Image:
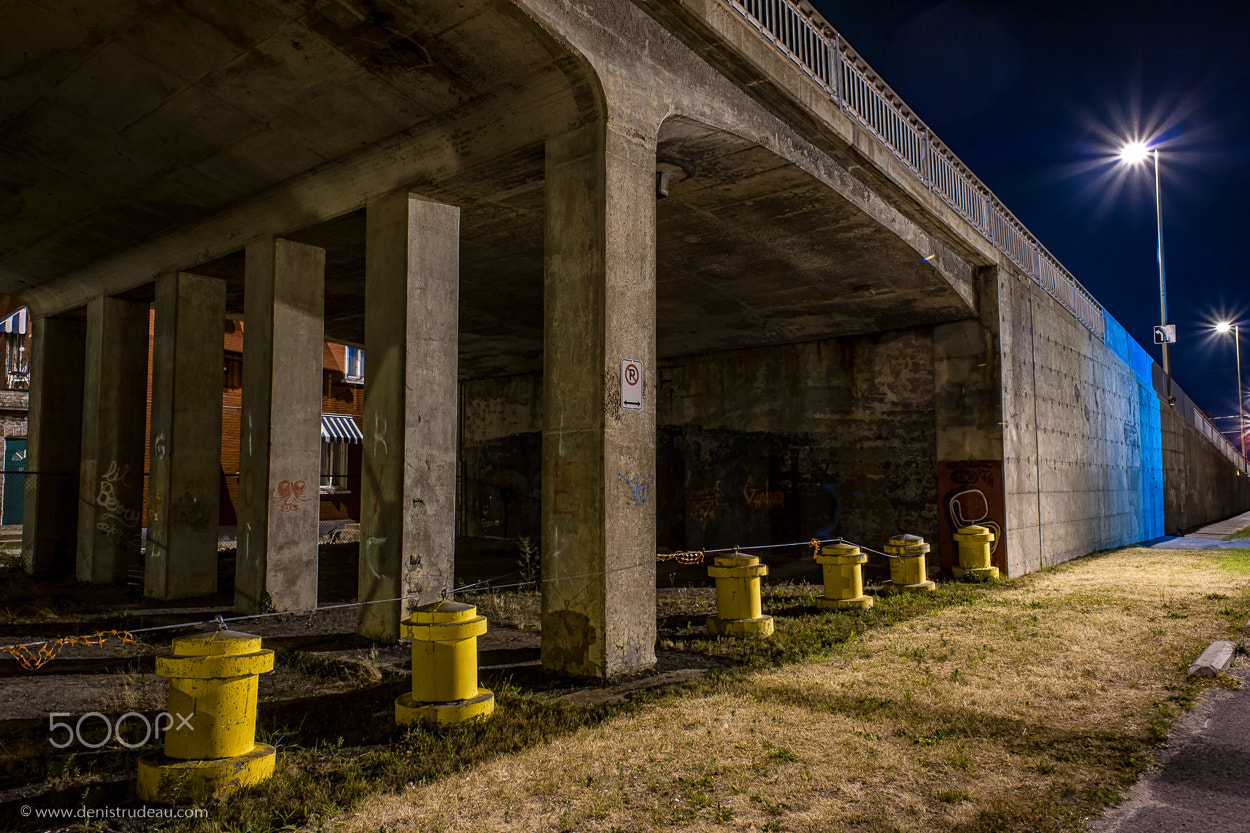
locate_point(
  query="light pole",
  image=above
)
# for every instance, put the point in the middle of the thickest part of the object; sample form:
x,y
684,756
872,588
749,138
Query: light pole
x,y
1134,153
1222,328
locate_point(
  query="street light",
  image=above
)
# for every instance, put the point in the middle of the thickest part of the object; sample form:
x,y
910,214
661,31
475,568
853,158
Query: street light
x,y
1134,153
1222,328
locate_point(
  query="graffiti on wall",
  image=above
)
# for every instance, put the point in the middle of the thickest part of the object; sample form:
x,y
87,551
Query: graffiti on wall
x,y
970,492
768,500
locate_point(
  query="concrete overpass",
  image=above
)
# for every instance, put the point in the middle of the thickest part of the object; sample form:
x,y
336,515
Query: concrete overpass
x,y
840,331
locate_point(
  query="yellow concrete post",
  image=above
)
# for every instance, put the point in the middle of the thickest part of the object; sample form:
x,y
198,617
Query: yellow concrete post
x,y
444,666
844,577
974,544
738,597
211,744
907,567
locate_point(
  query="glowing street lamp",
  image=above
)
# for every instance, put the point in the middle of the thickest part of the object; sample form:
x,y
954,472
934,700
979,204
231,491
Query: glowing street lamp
x,y
1135,153
1222,328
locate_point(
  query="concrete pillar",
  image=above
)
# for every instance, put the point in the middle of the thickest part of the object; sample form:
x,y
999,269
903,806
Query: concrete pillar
x,y
407,509
111,473
279,446
53,446
598,532
968,409
185,459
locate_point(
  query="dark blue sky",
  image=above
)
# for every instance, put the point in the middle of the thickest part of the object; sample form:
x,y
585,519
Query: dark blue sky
x,y
1032,95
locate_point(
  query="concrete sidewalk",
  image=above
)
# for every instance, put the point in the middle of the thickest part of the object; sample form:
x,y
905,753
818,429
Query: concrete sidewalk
x,y
1210,537
1202,782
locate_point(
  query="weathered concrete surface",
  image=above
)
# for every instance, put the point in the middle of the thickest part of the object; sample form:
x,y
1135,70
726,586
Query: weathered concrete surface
x,y
54,446
598,559
407,517
1214,660
110,496
184,482
1199,484
1082,461
824,438
280,451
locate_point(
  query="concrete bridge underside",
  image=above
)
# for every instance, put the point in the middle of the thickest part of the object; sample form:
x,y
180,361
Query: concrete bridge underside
x,y
469,191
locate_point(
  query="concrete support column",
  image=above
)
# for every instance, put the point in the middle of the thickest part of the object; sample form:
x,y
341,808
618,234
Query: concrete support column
x,y
185,460
279,446
968,408
53,446
598,532
115,389
407,507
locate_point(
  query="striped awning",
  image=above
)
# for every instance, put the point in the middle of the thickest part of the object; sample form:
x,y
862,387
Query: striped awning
x,y
340,428
14,322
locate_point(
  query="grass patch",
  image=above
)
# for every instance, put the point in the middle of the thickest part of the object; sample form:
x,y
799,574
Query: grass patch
x,y
1026,704
1244,532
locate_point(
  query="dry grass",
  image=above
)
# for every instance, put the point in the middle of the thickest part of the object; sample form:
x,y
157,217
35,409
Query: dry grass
x,y
1026,707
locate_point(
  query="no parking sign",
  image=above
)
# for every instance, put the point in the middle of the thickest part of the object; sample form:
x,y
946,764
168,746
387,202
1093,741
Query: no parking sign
x,y
631,385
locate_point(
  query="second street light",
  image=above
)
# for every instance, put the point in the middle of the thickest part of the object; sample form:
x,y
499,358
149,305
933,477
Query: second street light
x,y
1222,328
1165,334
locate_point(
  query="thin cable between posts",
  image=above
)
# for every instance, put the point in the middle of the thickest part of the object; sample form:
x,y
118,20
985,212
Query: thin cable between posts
x,y
686,558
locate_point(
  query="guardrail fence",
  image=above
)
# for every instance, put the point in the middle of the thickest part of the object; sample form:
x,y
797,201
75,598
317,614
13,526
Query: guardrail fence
x,y
801,34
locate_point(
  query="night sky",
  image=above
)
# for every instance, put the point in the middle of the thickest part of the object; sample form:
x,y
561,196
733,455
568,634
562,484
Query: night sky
x,y
1034,97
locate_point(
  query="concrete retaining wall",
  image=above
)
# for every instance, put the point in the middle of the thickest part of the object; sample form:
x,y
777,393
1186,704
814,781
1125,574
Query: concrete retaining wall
x,y
820,439
1082,455
1199,485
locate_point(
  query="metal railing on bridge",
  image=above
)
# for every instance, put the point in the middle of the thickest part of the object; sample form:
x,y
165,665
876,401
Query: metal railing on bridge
x,y
807,39
801,34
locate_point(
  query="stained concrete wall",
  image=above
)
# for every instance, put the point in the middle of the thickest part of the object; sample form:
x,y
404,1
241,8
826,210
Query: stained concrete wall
x,y
1199,484
1082,457
826,438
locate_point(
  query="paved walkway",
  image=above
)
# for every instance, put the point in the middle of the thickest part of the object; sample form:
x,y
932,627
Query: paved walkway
x,y
1202,782
1208,538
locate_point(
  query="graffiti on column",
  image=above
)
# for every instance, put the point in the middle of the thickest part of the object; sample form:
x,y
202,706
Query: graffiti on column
x,y
970,492
288,495
117,518
639,489
557,490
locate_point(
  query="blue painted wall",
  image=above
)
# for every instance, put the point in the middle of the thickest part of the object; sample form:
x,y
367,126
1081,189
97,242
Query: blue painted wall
x,y
1151,487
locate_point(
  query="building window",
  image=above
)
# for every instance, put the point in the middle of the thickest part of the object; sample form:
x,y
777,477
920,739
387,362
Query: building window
x,y
334,468
355,371
16,364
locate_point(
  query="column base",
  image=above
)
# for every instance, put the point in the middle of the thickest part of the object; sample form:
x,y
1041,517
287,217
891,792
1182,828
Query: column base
x,y
184,779
759,626
861,602
981,573
922,587
409,712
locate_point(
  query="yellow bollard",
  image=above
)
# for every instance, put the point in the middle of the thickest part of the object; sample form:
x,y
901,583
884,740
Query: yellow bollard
x,y
907,568
974,553
844,577
738,597
444,666
211,744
